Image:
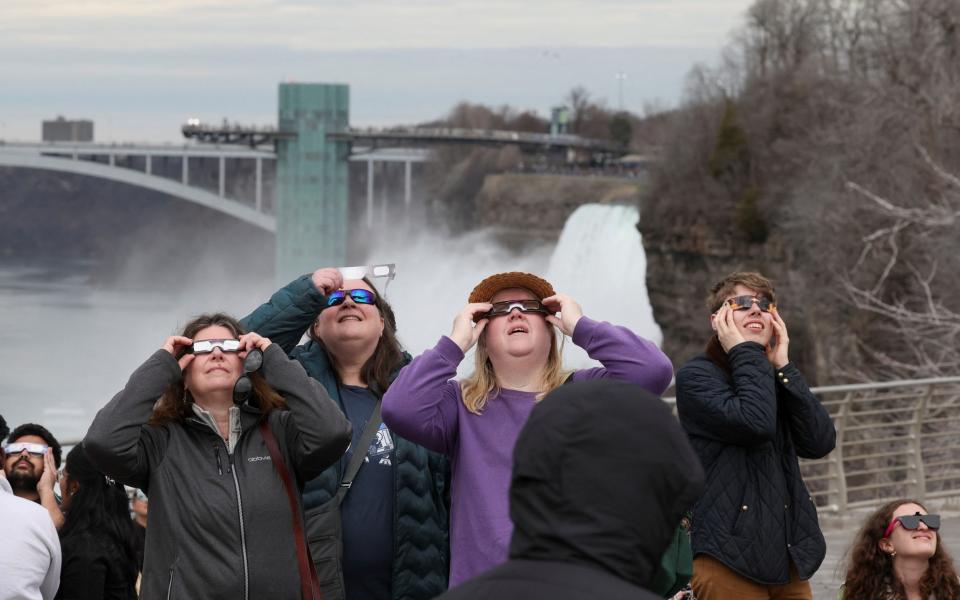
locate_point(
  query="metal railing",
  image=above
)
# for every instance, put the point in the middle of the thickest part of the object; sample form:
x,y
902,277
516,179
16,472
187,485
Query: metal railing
x,y
899,439
894,440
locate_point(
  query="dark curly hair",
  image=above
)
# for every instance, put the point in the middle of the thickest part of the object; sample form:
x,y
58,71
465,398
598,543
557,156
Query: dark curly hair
x,y
174,404
41,432
870,570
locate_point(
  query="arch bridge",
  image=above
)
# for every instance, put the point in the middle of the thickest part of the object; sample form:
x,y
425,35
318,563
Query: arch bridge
x,y
236,181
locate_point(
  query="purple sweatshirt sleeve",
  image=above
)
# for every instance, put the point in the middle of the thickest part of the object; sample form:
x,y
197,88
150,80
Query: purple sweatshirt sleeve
x,y
422,404
623,354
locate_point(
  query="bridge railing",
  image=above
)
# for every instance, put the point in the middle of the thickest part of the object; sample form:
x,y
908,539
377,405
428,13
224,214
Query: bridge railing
x,y
899,439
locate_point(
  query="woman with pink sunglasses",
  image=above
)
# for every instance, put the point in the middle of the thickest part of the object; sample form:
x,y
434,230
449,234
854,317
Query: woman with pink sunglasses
x,y
898,555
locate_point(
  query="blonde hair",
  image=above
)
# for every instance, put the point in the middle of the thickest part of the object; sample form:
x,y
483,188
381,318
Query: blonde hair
x,y
482,384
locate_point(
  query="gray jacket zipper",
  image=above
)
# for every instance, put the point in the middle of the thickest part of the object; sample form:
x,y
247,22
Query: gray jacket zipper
x,y
170,584
243,534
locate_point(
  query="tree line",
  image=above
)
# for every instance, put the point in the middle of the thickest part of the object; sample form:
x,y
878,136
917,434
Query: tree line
x,y
824,149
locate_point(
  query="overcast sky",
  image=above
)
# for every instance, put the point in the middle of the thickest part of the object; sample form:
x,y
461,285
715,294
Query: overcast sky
x,y
140,68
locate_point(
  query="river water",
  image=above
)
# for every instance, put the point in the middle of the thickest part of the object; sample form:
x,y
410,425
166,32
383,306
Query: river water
x,y
69,343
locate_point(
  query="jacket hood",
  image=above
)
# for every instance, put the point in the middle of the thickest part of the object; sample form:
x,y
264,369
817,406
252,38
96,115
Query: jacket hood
x,y
602,474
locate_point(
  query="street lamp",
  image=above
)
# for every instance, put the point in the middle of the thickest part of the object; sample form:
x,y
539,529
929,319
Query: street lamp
x,y
620,77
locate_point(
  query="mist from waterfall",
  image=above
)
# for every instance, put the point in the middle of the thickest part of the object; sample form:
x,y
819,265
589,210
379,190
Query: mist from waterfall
x,y
598,261
70,343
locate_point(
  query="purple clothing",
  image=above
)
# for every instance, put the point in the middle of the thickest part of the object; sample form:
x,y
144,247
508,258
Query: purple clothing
x,y
424,405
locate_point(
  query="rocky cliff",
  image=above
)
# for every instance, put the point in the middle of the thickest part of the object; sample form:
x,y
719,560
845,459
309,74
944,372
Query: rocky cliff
x,y
526,208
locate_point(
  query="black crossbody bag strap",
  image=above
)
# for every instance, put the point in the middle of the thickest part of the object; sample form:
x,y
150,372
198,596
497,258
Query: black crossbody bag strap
x,y
359,453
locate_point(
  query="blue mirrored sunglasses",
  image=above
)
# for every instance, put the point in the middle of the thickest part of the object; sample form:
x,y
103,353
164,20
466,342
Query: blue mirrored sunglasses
x,y
359,296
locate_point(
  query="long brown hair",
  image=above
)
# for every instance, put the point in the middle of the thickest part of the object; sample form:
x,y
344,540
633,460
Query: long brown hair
x,y
482,383
377,372
174,405
870,570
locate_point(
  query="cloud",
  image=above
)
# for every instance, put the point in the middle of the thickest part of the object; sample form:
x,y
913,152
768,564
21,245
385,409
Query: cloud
x,y
138,68
135,26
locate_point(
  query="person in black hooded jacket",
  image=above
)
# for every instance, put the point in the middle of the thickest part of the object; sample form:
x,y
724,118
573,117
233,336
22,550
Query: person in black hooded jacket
x,y
750,414
602,474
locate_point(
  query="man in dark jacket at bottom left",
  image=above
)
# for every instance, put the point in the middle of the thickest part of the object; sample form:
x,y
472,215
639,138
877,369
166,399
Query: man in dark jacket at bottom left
x,y
602,474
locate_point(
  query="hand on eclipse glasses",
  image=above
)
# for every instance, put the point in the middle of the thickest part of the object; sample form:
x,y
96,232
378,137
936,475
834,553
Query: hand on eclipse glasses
x,y
180,348
329,279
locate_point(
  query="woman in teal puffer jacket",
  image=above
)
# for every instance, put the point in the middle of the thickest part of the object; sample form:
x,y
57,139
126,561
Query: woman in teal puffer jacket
x,y
395,515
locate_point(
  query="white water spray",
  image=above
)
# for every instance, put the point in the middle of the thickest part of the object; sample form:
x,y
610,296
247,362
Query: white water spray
x,y
598,260
71,345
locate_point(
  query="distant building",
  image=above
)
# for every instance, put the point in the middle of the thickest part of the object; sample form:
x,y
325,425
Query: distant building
x,y
559,120
63,130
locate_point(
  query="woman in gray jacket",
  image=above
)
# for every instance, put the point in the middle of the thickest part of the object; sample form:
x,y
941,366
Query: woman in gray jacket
x,y
220,521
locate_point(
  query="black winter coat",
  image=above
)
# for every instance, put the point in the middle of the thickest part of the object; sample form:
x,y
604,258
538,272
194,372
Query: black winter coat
x,y
756,515
421,519
95,567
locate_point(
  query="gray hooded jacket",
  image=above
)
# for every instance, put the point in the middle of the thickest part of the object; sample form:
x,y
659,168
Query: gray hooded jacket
x,y
220,524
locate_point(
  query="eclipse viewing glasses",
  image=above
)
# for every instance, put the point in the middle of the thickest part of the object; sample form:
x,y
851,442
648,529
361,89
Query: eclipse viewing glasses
x,y
18,447
387,270
746,303
505,306
207,346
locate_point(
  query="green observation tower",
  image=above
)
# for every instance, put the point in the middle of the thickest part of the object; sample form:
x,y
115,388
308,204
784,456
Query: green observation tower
x,y
312,183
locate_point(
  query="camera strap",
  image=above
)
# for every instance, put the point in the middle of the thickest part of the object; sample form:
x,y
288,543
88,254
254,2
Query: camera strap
x,y
309,582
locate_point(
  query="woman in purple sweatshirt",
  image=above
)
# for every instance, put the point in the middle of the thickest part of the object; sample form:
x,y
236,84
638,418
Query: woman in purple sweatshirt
x,y
511,317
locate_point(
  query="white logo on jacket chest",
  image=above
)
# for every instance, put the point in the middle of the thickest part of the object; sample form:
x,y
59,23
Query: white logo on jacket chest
x,y
258,458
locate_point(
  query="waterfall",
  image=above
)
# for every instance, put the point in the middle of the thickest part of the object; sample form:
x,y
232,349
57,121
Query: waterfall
x,y
599,261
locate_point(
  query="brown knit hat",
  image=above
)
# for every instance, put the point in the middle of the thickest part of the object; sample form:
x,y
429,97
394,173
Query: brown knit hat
x,y
487,288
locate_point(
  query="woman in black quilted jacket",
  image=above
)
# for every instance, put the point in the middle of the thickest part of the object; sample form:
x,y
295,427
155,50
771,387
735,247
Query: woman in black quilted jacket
x,y
749,415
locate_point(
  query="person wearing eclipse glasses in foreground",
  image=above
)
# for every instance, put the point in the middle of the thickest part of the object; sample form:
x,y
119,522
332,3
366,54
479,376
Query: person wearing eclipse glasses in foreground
x,y
198,427
377,520
898,554
749,414
515,321
31,558
31,463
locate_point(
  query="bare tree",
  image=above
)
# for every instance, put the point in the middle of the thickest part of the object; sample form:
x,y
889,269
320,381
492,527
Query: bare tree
x,y
851,113
579,100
